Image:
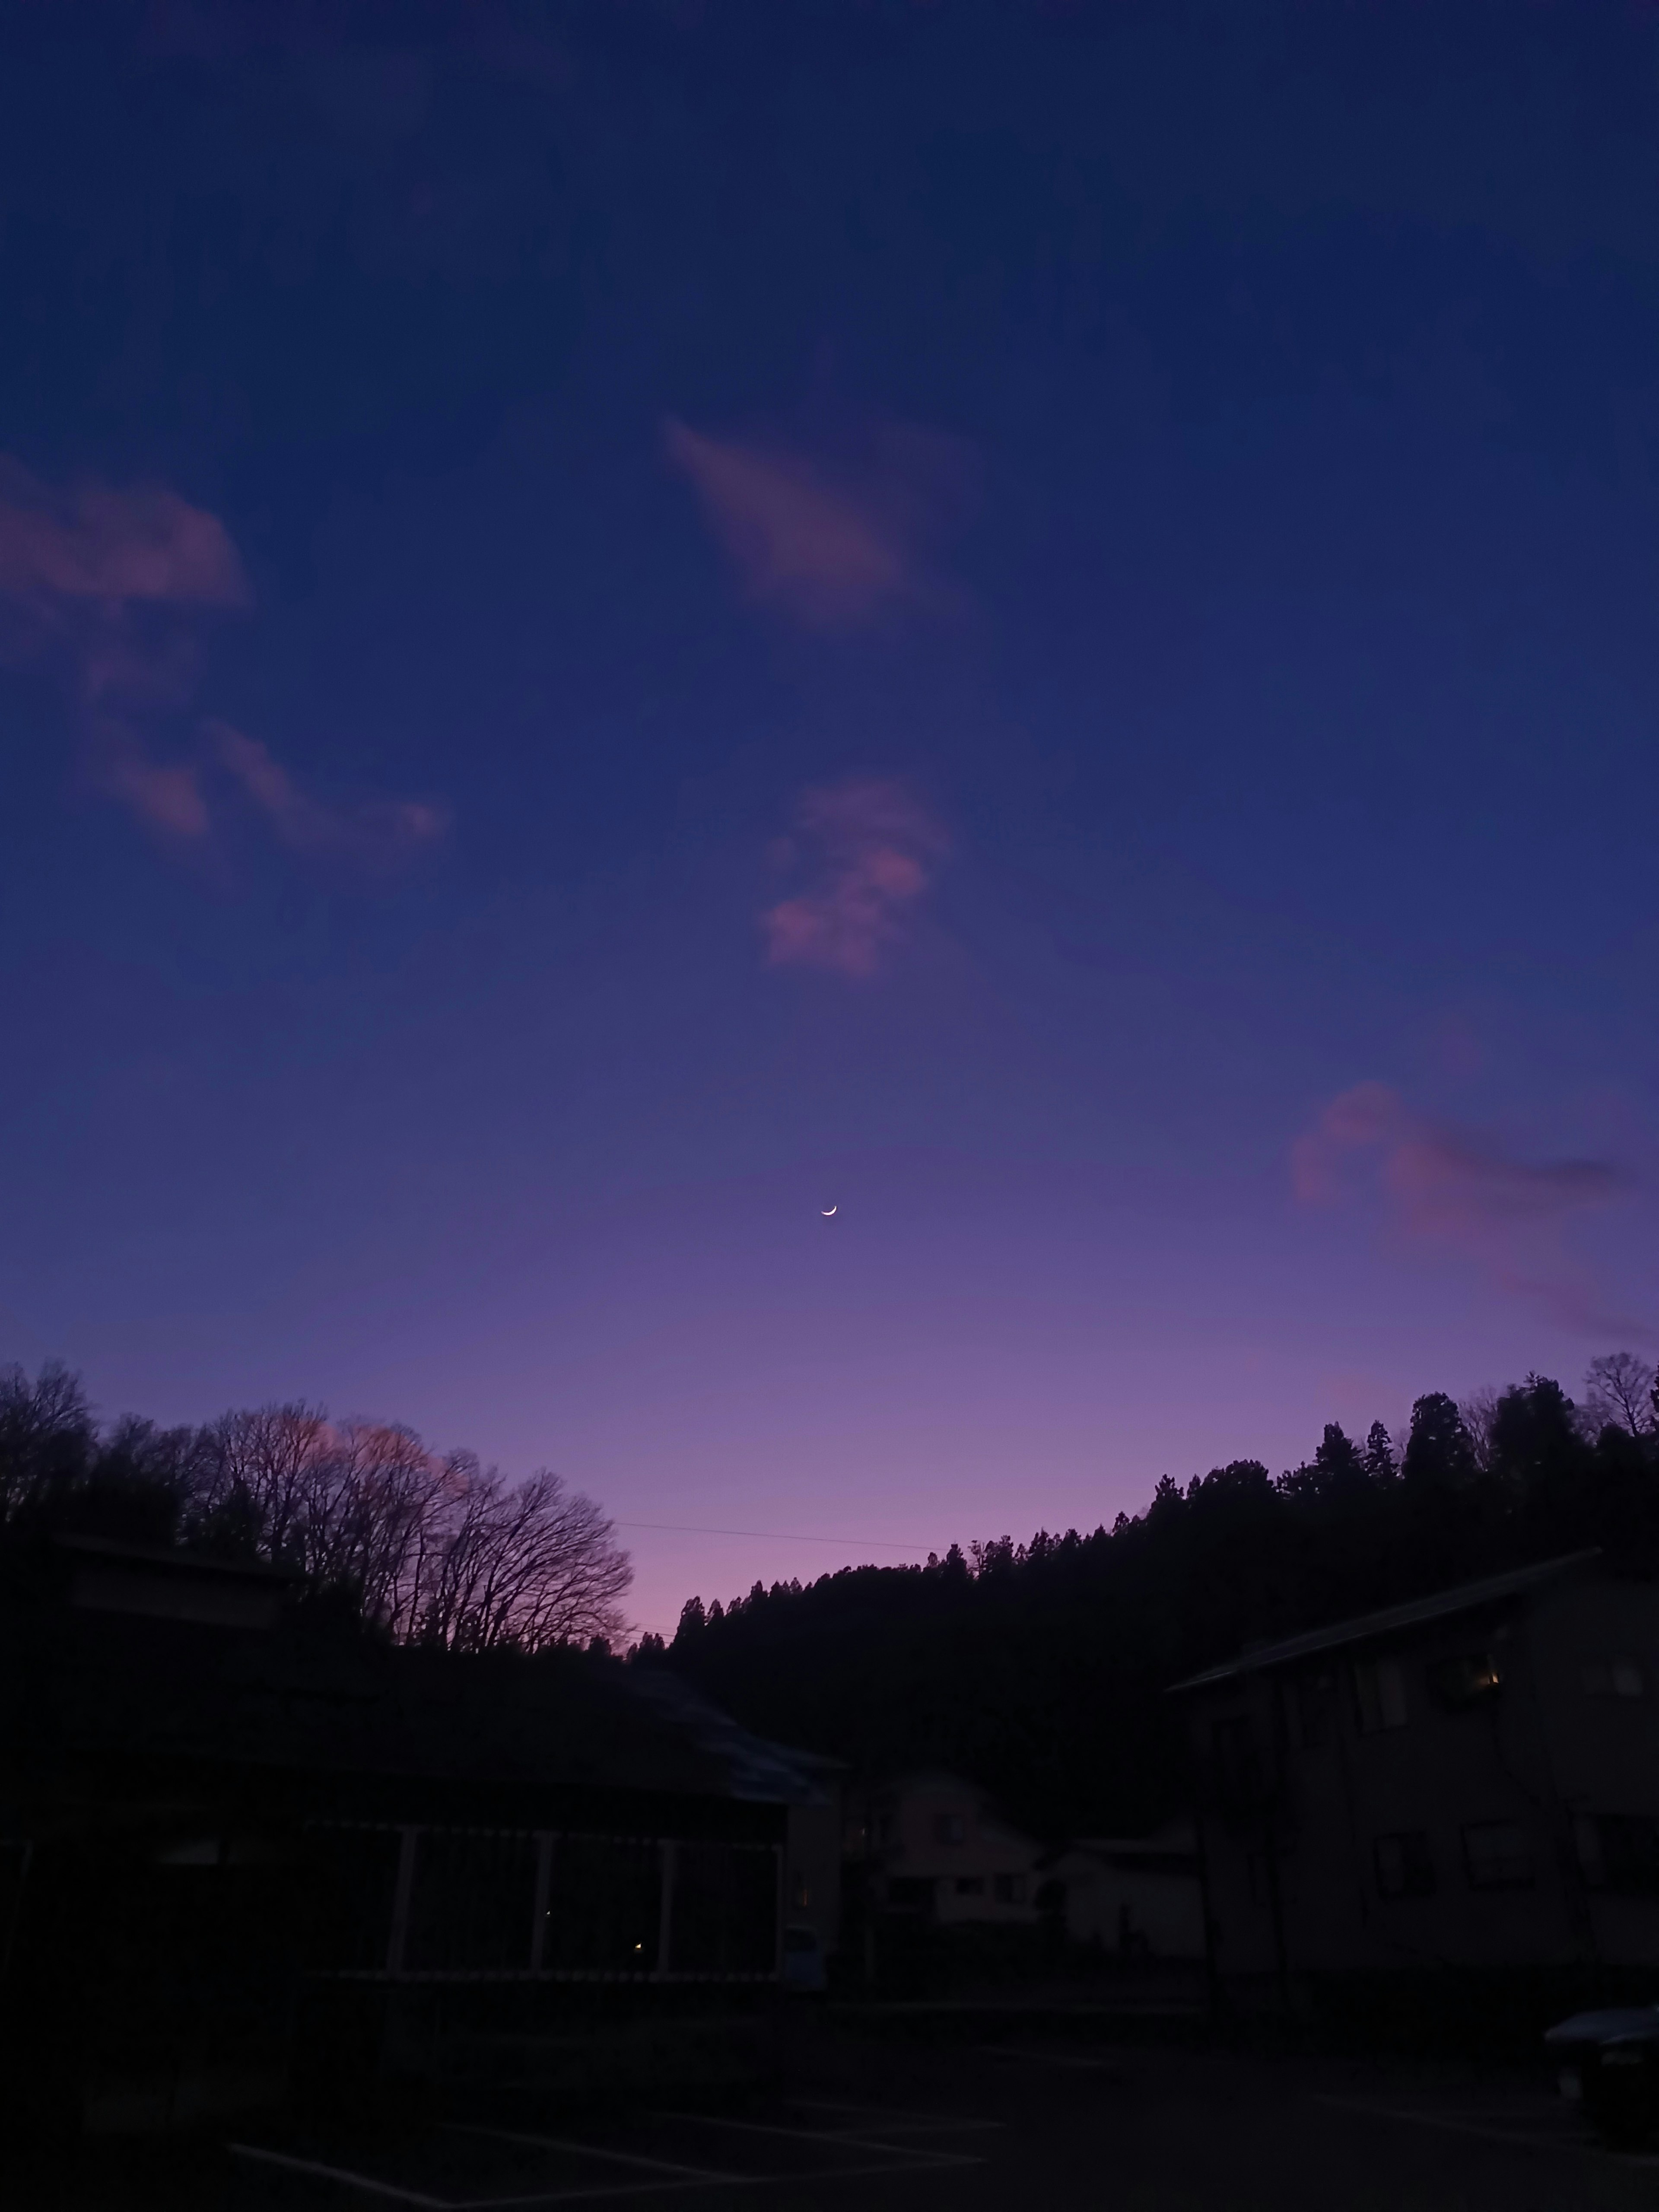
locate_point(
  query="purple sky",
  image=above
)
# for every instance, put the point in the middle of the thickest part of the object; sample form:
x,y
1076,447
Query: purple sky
x,y
621,624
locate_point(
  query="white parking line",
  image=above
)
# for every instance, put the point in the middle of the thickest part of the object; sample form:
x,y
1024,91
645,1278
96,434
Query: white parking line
x,y
591,2150
1077,2064
1451,2124
896,2159
340,2173
915,2158
896,2122
742,2180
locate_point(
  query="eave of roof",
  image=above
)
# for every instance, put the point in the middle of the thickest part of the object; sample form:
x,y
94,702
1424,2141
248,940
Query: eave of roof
x,y
170,1560
1466,1597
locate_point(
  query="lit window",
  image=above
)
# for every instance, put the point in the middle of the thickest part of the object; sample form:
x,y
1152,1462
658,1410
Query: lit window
x,y
1498,1855
1466,1681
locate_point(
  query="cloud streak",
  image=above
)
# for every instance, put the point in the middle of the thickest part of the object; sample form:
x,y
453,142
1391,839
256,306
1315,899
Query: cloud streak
x,y
871,852
117,586
832,551
372,835
1459,1190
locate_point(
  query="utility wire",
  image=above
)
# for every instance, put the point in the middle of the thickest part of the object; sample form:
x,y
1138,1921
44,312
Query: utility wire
x,y
776,1536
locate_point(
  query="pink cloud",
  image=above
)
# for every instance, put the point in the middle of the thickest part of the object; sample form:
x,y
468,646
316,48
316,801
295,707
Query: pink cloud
x,y
834,554
1460,1190
165,796
95,542
117,584
377,833
872,851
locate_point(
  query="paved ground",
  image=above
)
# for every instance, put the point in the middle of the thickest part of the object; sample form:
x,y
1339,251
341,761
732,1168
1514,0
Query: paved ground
x,y
885,2126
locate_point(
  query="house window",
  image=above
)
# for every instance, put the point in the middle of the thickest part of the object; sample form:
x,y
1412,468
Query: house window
x,y
970,1885
1379,1695
1498,1855
1611,1678
949,1828
1465,1681
1008,1889
1405,1866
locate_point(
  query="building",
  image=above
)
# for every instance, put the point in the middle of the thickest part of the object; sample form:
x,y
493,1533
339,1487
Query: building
x,y
1134,1897
932,1845
244,1845
1467,1781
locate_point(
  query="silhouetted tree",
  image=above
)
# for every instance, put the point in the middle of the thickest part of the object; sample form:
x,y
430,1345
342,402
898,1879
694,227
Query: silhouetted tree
x,y
430,1549
1619,1393
1439,1452
1378,1456
1041,1668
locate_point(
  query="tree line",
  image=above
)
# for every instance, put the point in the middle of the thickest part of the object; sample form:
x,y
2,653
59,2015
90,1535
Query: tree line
x,y
1041,1668
427,1547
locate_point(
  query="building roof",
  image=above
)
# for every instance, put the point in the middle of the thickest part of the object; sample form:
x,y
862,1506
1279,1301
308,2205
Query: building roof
x,y
1466,1597
94,1676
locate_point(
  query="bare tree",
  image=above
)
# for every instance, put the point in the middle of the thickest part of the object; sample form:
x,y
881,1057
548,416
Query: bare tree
x,y
47,1436
1480,1411
438,1549
1618,1393
528,1565
265,1475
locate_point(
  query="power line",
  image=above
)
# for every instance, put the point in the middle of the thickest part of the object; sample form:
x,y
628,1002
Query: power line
x,y
777,1536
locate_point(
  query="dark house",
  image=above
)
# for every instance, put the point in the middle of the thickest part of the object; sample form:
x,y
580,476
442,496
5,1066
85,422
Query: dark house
x,y
248,1850
1458,1792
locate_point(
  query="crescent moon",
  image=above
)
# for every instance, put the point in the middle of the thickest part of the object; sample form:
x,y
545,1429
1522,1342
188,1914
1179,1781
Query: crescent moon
x,y
826,1210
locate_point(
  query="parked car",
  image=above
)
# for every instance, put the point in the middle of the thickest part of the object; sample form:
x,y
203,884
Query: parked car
x,y
803,1961
1611,2060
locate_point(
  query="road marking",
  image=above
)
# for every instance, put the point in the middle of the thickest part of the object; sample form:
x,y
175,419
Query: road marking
x,y
1054,2058
1451,2125
829,2135
591,2150
342,2174
608,2188
894,2123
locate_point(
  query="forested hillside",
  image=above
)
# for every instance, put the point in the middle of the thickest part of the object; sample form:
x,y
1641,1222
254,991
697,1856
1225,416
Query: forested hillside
x,y
1040,1669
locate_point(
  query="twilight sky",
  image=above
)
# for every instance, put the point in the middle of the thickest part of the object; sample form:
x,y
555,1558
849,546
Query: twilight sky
x,y
623,623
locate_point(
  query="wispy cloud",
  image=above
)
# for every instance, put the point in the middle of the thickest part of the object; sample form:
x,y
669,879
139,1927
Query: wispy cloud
x,y
167,796
836,549
1460,1190
870,851
371,834
91,542
117,586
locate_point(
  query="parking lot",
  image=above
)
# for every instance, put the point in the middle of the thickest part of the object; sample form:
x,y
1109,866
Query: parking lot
x,y
880,2125
895,2126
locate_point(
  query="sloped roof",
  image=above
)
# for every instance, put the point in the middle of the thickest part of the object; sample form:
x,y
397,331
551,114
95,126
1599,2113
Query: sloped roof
x,y
312,1696
1466,1597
